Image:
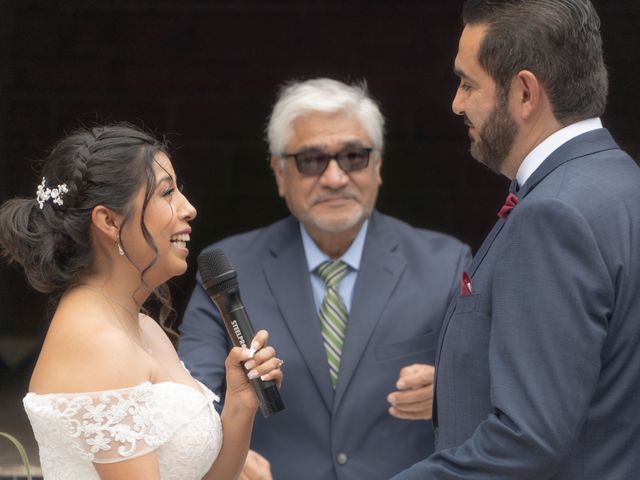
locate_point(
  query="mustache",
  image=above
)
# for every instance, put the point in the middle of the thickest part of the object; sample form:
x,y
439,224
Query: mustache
x,y
467,122
341,195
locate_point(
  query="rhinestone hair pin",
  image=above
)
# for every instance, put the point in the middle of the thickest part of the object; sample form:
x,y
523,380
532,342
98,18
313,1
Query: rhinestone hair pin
x,y
54,194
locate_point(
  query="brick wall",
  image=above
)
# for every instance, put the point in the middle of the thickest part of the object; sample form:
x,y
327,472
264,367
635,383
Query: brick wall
x,y
206,72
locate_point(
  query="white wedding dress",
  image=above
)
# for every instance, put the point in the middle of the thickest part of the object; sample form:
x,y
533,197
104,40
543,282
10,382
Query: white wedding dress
x,y
74,430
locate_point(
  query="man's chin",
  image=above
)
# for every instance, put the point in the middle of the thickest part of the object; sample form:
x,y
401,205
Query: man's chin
x,y
475,151
481,158
333,224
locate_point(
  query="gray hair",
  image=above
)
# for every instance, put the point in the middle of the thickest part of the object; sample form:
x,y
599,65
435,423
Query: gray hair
x,y
297,99
557,40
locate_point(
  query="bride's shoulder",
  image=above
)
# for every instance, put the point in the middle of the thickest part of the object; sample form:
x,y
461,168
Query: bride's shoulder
x,y
156,336
87,353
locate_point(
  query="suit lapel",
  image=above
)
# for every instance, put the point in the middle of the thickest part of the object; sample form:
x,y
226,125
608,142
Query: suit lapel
x,y
475,263
380,270
486,245
288,278
586,144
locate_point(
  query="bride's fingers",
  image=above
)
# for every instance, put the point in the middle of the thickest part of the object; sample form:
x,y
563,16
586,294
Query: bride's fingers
x,y
269,370
260,340
260,358
259,361
237,355
265,368
275,375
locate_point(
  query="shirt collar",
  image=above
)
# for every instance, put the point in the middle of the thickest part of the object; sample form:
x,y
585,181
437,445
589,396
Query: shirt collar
x,y
352,257
538,155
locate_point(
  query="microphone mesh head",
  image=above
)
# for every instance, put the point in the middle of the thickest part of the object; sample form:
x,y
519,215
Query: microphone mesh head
x,y
216,270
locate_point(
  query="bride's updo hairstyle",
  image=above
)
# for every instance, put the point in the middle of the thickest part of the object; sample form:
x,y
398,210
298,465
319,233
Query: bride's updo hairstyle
x,y
49,233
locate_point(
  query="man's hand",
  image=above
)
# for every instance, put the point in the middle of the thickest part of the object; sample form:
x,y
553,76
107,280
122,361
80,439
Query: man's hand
x,y
256,467
414,398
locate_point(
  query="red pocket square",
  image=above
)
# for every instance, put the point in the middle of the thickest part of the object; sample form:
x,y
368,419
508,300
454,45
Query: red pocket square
x,y
465,285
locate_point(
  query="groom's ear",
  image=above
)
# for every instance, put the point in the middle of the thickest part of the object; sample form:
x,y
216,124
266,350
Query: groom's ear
x,y
527,95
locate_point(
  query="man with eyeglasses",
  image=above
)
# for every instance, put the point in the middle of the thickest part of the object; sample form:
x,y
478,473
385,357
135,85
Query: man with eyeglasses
x,y
353,300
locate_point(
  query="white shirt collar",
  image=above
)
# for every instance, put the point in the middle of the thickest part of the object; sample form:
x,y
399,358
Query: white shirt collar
x,y
352,257
538,155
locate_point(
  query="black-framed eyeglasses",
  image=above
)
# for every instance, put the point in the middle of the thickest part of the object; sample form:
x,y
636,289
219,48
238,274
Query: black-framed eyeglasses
x,y
312,163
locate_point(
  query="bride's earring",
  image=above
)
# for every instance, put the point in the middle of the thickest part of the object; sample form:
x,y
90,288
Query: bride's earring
x,y
120,250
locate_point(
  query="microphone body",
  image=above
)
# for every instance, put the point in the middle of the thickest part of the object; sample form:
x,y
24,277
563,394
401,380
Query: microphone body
x,y
220,281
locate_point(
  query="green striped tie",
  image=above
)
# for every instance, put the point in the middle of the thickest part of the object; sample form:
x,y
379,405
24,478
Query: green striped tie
x,y
333,315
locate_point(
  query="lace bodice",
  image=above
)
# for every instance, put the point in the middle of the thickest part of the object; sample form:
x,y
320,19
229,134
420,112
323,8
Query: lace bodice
x,y
74,430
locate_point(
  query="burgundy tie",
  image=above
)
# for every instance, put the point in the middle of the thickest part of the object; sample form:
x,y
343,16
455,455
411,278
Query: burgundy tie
x,y
511,202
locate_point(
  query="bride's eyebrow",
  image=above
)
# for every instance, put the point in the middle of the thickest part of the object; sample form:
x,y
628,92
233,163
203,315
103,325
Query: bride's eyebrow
x,y
165,179
167,176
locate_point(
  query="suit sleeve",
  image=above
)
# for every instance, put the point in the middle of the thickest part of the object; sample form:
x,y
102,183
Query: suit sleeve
x,y
204,343
551,297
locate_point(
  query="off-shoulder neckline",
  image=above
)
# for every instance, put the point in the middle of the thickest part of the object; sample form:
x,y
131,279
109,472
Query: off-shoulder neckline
x,y
139,386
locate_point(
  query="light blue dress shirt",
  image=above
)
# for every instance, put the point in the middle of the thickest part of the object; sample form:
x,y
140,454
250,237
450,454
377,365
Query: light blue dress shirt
x,y
352,257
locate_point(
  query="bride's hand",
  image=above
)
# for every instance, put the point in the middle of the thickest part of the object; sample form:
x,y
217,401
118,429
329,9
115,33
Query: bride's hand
x,y
241,368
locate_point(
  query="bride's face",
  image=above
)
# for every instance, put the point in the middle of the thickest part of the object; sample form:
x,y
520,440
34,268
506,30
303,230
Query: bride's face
x,y
166,221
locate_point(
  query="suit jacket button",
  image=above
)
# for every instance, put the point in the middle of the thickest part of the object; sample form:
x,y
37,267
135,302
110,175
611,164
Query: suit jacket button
x,y
342,458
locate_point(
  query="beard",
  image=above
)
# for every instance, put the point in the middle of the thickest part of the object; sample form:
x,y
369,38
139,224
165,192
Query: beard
x,y
496,138
340,219
331,224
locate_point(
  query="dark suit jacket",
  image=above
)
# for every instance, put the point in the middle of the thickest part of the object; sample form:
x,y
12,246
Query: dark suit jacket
x,y
537,371
406,279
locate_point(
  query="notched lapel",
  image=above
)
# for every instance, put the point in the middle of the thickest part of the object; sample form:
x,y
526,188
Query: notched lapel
x,y
486,246
380,269
588,143
287,276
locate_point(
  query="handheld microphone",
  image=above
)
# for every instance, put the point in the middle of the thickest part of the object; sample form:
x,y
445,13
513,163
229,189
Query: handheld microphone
x,y
220,280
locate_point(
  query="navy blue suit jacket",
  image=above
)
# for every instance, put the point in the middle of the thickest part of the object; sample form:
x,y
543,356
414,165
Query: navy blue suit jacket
x,y
537,370
406,279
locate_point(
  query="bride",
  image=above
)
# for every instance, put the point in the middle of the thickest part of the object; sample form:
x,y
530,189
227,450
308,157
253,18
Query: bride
x,y
109,398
